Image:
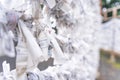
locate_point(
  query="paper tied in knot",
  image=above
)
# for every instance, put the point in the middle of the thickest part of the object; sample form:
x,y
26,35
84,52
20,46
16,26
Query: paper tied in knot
x,y
12,20
3,18
32,76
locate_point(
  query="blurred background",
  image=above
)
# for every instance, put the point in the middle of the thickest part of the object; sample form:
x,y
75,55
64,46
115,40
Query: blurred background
x,y
109,68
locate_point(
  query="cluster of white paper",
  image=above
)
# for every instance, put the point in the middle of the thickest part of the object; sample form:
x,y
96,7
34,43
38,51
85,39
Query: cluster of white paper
x,y
75,48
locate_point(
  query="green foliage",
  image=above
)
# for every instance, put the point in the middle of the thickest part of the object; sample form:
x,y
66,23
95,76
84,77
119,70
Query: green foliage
x,y
114,64
118,12
104,4
105,55
112,3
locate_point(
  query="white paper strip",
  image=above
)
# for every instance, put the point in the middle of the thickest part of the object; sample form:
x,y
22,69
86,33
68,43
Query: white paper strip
x,y
51,3
32,45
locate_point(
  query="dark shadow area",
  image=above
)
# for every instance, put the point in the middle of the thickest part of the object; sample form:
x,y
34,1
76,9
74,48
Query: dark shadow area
x,y
11,61
45,64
